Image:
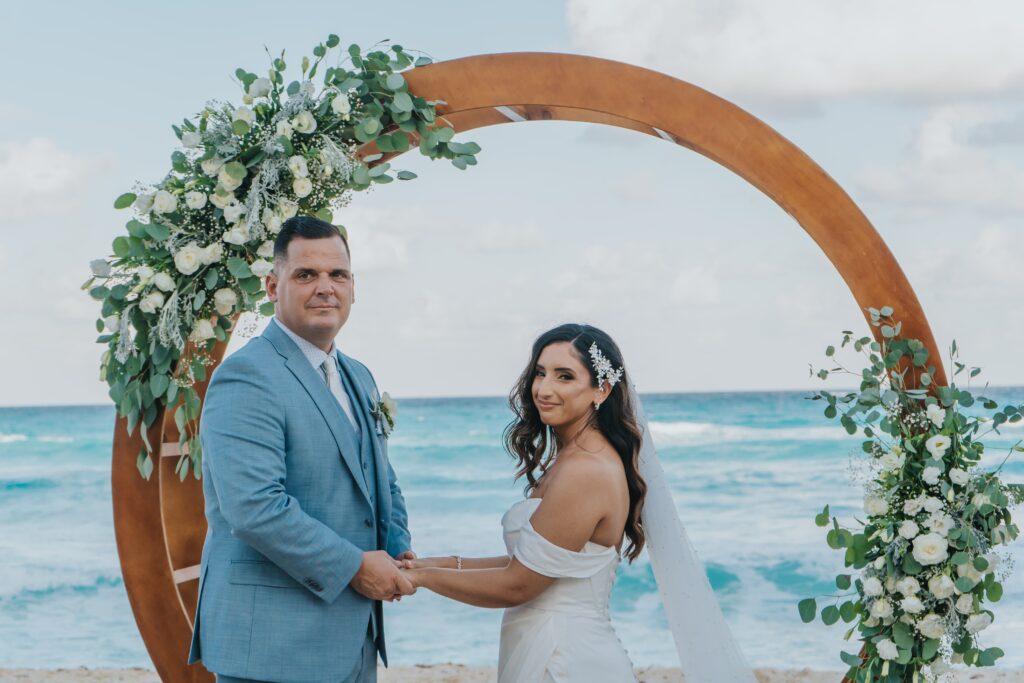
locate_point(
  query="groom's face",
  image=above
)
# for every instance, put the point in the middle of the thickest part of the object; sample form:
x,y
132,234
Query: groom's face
x,y
313,288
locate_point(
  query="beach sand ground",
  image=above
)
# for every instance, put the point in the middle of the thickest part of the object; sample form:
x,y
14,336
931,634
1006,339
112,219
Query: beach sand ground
x,y
457,673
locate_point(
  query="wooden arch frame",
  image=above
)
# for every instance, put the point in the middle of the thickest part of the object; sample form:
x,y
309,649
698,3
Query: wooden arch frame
x,y
159,524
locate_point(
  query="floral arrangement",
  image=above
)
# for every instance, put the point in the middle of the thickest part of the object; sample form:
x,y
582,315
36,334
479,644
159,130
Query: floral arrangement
x,y
202,238
927,557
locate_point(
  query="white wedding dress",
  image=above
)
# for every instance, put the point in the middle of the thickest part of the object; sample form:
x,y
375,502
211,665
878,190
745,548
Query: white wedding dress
x,y
565,634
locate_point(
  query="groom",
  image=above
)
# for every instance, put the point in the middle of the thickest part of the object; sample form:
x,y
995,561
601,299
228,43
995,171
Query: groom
x,y
305,515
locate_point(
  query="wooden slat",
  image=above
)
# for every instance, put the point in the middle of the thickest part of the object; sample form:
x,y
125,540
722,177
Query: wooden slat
x,y
186,574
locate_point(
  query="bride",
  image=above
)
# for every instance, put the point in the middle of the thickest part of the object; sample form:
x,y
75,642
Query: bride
x,y
594,485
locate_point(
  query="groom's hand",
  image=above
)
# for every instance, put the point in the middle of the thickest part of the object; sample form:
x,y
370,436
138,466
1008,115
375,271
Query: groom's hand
x,y
407,555
378,577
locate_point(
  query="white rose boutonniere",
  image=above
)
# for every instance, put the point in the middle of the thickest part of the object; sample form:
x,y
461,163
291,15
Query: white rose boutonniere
x,y
385,410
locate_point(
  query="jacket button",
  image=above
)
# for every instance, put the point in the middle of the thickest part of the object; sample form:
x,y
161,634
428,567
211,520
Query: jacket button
x,y
368,522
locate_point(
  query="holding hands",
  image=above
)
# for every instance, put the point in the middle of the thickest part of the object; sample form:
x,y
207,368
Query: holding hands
x,y
379,577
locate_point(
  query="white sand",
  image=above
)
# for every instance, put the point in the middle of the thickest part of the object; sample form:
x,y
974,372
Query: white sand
x,y
456,673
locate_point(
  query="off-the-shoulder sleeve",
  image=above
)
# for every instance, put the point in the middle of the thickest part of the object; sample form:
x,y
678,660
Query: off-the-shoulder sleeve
x,y
544,557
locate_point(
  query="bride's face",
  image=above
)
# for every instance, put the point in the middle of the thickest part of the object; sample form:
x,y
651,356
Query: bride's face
x,y
562,388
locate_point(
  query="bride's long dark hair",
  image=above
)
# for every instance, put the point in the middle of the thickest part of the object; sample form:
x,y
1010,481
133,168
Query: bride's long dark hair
x,y
532,442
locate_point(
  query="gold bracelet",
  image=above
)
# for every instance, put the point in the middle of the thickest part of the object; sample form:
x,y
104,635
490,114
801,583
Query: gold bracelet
x,y
458,562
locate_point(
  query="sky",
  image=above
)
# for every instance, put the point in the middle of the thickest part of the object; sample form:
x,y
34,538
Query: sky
x,y
916,109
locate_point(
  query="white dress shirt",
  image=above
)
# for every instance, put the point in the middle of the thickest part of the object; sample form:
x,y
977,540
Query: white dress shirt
x,y
316,357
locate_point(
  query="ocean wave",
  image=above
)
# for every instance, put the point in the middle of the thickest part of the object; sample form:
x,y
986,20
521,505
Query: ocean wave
x,y
12,438
26,484
44,593
690,433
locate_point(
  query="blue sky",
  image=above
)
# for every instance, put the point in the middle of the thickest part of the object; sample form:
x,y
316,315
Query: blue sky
x,y
917,111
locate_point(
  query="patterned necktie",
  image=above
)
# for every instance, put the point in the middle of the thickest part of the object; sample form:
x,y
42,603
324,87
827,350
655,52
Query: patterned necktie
x,y
330,372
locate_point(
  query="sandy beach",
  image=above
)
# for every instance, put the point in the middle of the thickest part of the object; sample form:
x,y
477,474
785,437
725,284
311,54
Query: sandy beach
x,y
456,673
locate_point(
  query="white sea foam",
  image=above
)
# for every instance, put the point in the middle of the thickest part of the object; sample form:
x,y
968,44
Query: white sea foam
x,y
692,433
12,438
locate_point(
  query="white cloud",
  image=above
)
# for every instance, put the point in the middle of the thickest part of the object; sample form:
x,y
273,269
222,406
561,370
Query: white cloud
x,y
375,239
501,237
39,177
808,49
946,169
697,285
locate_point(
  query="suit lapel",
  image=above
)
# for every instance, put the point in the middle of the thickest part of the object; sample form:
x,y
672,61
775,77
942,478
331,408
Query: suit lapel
x,y
363,406
324,400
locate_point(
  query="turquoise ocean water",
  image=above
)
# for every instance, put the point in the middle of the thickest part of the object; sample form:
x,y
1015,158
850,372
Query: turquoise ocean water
x,y
749,472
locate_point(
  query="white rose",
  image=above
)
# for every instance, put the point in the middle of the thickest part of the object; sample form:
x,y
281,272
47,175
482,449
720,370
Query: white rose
x,y
284,129
932,504
879,562
188,259
908,586
191,139
195,200
938,445
941,586
259,88
875,506
202,330
325,164
891,461
941,523
145,274
965,604
978,622
164,282
958,476
224,300
261,268
228,181
909,529
151,302
872,587
164,202
931,626
287,208
1001,534
993,562
247,98
212,253
273,223
967,569
238,234
222,200
881,609
980,499
341,106
938,667
302,187
912,506
930,549
931,475
266,250
887,649
243,114
912,605
112,322
233,212
871,622
297,166
936,414
890,585
100,268
303,122
143,203
211,166
389,404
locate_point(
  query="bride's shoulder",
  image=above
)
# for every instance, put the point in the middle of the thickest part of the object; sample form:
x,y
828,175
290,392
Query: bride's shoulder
x,y
586,474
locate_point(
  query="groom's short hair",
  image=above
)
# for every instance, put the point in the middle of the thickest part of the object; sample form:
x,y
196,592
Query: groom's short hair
x,y
307,227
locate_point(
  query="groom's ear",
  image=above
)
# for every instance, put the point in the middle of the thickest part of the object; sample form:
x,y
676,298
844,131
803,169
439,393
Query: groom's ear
x,y
271,286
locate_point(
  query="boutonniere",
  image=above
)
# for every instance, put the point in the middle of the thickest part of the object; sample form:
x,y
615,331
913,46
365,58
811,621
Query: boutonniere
x,y
384,411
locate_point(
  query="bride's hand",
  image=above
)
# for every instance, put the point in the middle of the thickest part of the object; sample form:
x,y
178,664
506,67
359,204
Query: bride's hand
x,y
425,562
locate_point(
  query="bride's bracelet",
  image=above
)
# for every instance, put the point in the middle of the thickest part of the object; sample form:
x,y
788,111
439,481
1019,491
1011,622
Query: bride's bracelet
x,y
458,562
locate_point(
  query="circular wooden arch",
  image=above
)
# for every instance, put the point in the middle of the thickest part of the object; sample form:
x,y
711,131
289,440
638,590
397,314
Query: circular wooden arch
x,y
159,524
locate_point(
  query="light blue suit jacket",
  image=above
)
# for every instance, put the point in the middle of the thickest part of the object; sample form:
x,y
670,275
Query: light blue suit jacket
x,y
290,515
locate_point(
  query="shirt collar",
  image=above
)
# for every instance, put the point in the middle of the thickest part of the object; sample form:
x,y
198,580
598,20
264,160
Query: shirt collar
x,y
313,353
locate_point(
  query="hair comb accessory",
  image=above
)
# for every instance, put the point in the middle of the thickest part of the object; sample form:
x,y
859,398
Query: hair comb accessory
x,y
603,368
